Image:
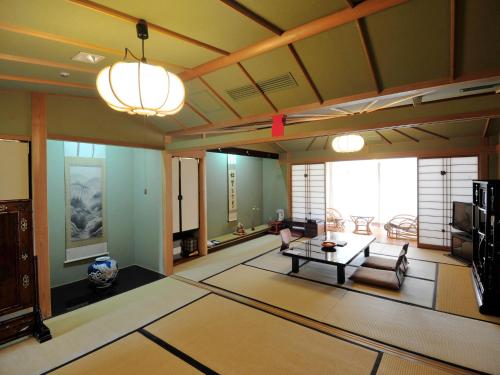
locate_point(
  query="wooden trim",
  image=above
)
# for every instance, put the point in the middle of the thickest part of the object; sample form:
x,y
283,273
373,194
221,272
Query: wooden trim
x,y
160,29
310,144
293,35
431,133
168,235
432,247
371,104
450,152
212,90
205,118
14,137
195,154
40,210
303,68
75,42
452,39
397,101
101,141
47,63
368,55
486,126
383,137
406,135
245,72
4,77
253,16
202,202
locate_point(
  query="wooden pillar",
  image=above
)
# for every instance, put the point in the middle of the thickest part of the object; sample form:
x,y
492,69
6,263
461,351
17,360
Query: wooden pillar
x,y
202,172
168,239
40,211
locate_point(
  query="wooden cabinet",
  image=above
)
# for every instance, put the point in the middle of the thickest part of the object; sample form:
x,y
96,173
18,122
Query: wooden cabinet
x,y
486,245
16,269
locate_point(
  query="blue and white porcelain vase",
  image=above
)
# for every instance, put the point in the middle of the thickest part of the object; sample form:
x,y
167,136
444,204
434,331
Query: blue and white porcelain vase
x,y
103,272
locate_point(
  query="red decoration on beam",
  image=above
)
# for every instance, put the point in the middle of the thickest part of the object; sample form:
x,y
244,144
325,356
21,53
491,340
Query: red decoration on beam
x,y
278,129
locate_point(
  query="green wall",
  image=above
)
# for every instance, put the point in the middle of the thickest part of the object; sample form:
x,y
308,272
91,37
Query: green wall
x,y
133,219
259,182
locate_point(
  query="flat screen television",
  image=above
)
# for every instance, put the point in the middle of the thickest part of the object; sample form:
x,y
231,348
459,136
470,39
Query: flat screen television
x,y
462,216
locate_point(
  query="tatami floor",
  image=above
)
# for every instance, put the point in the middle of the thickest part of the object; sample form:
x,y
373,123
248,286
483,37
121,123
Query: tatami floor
x,y
239,311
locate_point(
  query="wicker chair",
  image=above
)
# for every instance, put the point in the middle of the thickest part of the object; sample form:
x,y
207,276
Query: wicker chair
x,y
402,226
334,220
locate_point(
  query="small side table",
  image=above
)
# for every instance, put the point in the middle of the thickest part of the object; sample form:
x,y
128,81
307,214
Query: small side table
x,y
275,227
362,224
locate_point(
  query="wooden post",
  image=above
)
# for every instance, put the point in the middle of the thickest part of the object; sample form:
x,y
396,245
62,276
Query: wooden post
x,y
40,211
203,237
168,239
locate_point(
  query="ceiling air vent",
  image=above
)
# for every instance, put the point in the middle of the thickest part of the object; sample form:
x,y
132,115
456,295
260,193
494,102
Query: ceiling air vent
x,y
477,88
281,82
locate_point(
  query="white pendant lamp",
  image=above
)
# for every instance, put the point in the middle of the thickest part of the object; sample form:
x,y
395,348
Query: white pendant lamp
x,y
348,143
141,88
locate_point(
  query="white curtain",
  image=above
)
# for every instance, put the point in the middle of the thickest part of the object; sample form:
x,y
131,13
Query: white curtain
x,y
380,188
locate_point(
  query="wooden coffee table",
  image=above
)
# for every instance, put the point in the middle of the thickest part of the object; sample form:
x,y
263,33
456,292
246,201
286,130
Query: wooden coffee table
x,y
311,251
362,224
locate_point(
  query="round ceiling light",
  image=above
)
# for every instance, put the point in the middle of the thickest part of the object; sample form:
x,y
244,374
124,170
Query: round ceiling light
x,y
348,143
141,88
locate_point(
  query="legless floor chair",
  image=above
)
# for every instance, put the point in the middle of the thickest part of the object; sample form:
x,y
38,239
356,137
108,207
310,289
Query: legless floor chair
x,y
389,264
383,278
286,238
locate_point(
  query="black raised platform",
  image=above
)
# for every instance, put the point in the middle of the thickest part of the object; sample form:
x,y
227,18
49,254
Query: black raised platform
x,y
81,293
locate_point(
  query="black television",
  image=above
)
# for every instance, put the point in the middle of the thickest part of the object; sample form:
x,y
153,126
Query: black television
x,y
462,216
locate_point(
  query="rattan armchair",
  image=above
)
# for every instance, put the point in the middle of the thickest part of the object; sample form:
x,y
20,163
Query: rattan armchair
x,y
334,220
402,226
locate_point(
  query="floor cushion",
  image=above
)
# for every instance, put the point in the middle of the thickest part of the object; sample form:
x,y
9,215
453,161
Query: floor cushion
x,y
373,276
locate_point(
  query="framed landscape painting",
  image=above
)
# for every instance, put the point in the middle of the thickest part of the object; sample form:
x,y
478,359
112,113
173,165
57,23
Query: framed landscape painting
x,y
85,208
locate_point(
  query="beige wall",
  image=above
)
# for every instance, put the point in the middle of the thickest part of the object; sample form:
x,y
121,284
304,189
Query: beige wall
x,y
14,170
15,114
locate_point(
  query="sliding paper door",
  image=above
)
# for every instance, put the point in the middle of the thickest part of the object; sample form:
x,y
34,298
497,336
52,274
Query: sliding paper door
x,y
308,191
441,181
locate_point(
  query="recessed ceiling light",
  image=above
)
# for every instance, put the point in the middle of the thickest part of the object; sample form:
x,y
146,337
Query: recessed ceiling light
x,y
64,74
88,58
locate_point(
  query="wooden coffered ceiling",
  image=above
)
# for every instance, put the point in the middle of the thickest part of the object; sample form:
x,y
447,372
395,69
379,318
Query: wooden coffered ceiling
x,y
243,61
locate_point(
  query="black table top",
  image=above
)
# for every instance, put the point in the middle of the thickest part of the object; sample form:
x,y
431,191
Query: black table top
x,y
311,249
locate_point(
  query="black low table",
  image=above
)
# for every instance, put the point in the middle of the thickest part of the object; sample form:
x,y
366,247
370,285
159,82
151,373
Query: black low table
x,y
341,257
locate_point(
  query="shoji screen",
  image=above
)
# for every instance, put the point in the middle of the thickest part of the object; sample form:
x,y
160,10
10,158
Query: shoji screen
x,y
440,182
184,184
308,191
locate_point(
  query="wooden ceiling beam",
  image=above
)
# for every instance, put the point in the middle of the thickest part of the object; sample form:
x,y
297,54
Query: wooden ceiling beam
x,y
397,101
430,85
406,135
281,147
46,63
368,55
431,133
76,43
160,29
486,126
205,118
310,144
5,77
383,137
293,35
212,90
452,39
253,16
245,72
302,67
325,146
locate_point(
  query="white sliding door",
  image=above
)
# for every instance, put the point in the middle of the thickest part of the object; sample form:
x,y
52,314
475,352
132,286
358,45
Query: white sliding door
x,y
185,199
308,191
441,181
176,223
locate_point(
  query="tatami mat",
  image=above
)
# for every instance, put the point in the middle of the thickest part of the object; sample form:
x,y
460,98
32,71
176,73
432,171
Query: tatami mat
x,y
392,365
420,330
87,328
201,268
232,338
420,292
133,354
416,291
455,293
